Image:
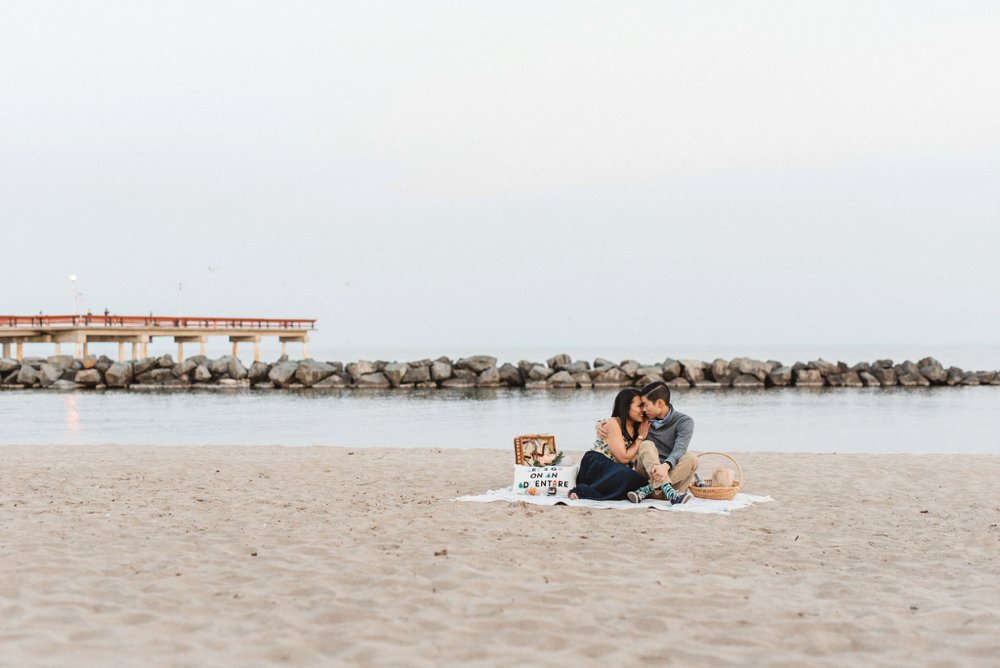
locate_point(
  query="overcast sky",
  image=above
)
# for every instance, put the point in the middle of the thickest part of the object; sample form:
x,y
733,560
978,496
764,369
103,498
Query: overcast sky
x,y
510,173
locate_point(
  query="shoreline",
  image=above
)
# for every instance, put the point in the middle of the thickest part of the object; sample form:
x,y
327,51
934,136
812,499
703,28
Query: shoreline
x,y
167,555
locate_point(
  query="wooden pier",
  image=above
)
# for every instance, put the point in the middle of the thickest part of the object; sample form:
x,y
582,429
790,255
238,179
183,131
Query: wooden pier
x,y
140,330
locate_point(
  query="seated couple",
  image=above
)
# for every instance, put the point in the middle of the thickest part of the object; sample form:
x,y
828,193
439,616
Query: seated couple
x,y
641,451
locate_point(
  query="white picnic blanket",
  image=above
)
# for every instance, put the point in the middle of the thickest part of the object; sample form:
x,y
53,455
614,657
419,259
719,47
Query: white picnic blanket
x,y
695,505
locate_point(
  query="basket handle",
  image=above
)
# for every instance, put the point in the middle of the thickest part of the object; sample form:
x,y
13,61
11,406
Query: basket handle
x,y
730,458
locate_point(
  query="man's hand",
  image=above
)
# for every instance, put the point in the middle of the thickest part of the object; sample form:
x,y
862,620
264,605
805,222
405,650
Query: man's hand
x,y
602,430
660,473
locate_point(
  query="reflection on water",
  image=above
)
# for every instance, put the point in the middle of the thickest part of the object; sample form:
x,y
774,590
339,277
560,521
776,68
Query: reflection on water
x,y
72,416
929,420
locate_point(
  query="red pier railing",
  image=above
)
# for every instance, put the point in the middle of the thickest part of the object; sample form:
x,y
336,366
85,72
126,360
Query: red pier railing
x,y
182,322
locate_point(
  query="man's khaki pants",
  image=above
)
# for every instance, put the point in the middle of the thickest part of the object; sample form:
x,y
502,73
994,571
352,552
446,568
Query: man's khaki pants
x,y
681,476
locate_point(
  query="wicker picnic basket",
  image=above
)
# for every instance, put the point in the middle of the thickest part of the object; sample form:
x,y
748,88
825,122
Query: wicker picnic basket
x,y
719,493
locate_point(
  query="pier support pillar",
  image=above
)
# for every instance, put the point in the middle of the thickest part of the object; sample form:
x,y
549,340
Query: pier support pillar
x,y
20,350
284,348
236,352
135,347
79,350
305,349
85,353
180,352
250,338
121,351
6,349
58,348
144,348
201,347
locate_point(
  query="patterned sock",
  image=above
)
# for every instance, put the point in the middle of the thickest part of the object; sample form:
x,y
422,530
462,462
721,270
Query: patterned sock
x,y
645,490
668,490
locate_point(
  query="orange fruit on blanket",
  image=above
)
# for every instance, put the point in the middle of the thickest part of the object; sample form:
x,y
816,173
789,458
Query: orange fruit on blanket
x,y
532,491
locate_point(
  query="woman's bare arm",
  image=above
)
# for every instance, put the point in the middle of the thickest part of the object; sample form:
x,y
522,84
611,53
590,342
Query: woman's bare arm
x,y
616,443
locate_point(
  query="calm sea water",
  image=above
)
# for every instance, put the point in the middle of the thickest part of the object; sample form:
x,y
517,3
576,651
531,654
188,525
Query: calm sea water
x,y
931,420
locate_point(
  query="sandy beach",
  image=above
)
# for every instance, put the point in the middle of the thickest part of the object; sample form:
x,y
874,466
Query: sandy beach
x,y
179,556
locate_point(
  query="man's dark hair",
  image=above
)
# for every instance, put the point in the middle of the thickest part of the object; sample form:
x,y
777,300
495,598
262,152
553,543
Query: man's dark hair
x,y
656,391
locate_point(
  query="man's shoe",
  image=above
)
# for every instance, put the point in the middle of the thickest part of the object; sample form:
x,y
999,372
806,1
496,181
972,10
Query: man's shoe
x,y
679,498
638,495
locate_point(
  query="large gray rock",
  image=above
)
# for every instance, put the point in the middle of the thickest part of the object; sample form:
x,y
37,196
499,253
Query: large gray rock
x,y
418,363
489,378
219,367
613,377
907,379
835,380
464,374
103,363
27,375
745,380
10,378
236,370
48,374
647,378
92,377
511,375
8,364
583,379
868,379
282,374
310,372
907,368
861,366
201,374
671,369
988,377
164,362
679,383
882,364
752,367
334,381
360,368
559,362
808,378
144,365
119,374
970,379
418,374
601,363
886,375
934,372
780,377
825,368
395,372
852,379
34,361
62,362
693,370
721,372
539,372
954,376
186,367
373,380
477,363
257,373
629,367
440,371
580,366
562,379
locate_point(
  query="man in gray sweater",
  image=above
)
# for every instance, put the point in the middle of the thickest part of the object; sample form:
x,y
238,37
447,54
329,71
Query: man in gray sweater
x,y
667,442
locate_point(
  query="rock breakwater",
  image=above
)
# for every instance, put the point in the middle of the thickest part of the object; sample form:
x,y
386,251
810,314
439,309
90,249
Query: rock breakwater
x,y
64,372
